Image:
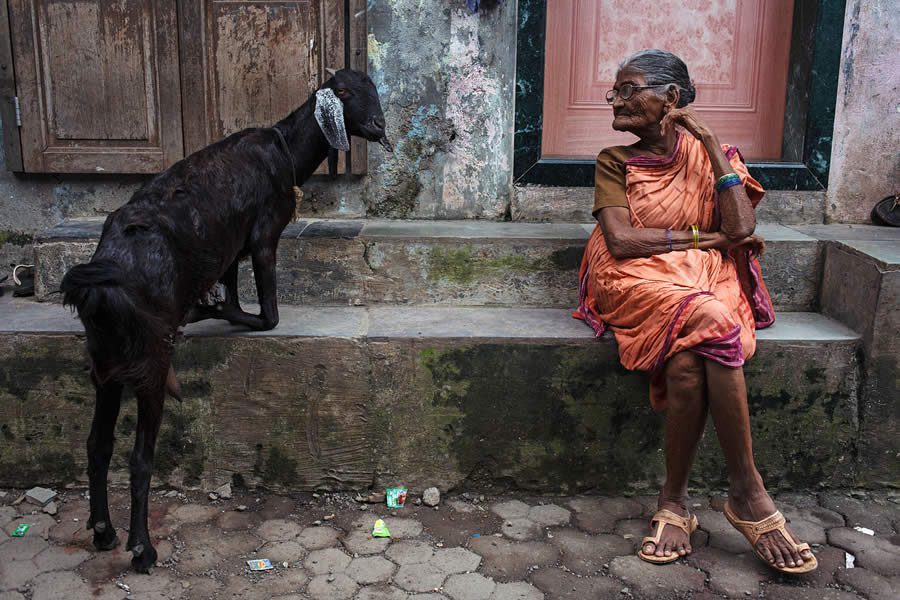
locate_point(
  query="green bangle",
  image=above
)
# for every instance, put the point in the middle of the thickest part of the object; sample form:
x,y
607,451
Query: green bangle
x,y
726,181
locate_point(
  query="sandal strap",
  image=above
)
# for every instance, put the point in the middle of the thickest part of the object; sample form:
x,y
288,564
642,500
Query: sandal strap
x,y
774,522
668,517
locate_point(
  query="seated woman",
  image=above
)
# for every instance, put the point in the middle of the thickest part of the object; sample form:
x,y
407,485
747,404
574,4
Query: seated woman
x,y
671,268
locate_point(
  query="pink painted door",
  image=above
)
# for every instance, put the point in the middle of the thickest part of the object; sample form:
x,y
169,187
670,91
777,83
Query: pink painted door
x,y
736,52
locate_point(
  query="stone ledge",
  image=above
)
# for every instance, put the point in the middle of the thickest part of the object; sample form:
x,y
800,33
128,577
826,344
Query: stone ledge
x,y
351,397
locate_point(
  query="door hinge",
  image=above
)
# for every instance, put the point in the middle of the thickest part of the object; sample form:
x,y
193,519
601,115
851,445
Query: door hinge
x,y
18,112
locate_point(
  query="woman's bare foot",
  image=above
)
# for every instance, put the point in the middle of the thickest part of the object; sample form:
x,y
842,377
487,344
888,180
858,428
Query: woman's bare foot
x,y
772,545
673,539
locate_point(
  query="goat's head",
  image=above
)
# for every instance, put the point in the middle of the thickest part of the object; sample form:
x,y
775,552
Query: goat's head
x,y
348,104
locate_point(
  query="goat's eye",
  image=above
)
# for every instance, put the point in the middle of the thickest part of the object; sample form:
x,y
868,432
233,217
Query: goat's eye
x,y
341,92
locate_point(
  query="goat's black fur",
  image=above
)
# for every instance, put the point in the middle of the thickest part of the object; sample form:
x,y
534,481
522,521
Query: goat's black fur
x,y
180,233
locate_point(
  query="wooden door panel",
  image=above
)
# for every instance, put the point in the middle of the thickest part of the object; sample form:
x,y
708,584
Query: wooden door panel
x,y
736,51
262,59
98,84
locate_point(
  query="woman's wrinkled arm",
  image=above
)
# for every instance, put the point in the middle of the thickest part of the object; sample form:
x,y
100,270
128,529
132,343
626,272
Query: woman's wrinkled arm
x,y
625,241
738,216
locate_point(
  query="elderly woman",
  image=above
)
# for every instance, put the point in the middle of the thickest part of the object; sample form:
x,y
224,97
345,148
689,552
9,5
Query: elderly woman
x,y
671,268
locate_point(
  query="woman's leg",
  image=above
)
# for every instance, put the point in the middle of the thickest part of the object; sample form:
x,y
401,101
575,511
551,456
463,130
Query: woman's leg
x,y
686,409
747,495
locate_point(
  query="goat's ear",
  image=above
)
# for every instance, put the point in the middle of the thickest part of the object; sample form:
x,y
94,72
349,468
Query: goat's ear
x,y
330,117
330,71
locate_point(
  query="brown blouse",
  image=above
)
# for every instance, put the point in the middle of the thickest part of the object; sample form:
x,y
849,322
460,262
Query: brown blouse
x,y
609,179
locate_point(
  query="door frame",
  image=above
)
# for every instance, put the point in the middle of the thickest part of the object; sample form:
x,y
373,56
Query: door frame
x,y
815,56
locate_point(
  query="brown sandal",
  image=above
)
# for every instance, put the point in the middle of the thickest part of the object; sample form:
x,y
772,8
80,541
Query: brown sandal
x,y
753,530
662,518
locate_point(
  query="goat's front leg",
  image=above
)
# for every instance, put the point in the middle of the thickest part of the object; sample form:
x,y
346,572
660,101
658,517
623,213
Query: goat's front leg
x,y
222,310
150,406
99,451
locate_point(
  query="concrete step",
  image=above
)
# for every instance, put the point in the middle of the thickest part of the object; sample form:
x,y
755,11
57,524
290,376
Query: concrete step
x,y
551,204
472,263
351,397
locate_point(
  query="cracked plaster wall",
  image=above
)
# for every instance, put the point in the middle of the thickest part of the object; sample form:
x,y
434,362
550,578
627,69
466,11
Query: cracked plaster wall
x,y
865,162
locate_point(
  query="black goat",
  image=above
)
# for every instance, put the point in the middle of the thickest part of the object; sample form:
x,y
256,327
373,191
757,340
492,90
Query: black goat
x,y
179,234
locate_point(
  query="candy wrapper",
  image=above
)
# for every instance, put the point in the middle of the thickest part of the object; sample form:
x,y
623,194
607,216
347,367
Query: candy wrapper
x,y
396,498
261,564
380,529
20,530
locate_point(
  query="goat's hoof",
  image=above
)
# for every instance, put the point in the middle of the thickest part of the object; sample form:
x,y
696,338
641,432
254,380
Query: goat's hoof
x,y
106,541
143,560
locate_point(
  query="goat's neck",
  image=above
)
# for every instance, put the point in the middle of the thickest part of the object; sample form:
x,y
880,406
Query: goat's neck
x,y
305,140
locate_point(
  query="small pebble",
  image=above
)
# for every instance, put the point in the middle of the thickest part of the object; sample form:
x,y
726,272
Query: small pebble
x,y
213,496
241,508
317,523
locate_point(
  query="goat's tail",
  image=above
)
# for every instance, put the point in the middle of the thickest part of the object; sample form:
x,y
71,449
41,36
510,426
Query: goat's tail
x,y
126,342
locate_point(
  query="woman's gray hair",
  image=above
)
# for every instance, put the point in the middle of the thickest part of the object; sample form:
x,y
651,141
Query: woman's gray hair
x,y
660,68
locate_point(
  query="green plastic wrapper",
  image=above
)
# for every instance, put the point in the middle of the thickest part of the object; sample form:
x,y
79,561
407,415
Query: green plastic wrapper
x,y
396,498
380,529
20,530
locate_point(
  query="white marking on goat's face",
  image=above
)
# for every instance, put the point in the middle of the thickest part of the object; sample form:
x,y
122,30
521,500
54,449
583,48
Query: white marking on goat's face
x,y
330,117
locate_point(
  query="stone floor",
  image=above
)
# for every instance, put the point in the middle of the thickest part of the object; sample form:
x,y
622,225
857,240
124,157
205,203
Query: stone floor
x,y
470,547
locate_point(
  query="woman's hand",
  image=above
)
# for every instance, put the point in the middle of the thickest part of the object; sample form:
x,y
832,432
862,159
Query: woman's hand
x,y
754,243
689,120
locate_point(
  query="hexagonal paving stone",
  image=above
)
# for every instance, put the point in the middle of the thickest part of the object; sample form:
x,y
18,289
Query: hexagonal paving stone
x,y
729,574
233,520
469,586
455,560
197,559
599,515
281,552
329,560
362,542
520,529
674,580
65,585
56,558
428,597
511,509
560,585
380,592
518,590
22,548
506,560
549,515
410,552
238,588
793,592
278,530
872,552
873,585
371,569
163,584
200,588
419,578
585,554
15,574
191,514
331,587
11,596
285,581
317,538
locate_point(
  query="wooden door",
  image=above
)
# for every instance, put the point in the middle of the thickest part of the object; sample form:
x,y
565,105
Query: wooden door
x,y
736,52
249,63
98,84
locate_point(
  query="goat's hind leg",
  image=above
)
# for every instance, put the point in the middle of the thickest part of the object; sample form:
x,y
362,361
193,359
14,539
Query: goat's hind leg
x,y
99,450
150,406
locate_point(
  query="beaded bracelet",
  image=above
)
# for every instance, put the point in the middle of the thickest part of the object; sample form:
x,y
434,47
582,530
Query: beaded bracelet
x,y
726,181
668,235
696,232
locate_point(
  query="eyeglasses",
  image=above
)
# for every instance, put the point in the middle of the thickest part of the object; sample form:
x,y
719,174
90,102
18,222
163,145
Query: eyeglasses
x,y
626,90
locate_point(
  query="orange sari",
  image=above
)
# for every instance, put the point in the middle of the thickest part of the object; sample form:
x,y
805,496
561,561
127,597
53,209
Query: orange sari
x,y
706,301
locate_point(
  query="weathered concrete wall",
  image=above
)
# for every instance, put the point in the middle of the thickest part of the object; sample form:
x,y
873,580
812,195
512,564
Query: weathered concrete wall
x,y
349,412
446,79
865,163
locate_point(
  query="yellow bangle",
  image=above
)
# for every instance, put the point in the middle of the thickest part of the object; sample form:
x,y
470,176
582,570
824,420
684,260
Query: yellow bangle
x,y
696,232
